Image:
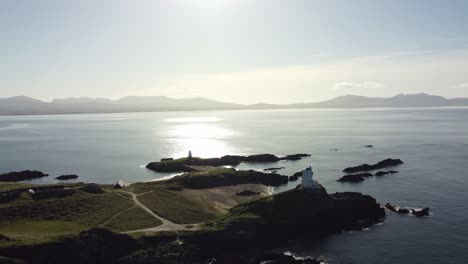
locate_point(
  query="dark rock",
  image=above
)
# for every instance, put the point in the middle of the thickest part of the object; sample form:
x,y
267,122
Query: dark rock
x,y
293,178
390,207
354,177
21,176
92,188
380,165
383,173
274,169
403,211
420,213
47,194
295,156
369,146
247,193
67,177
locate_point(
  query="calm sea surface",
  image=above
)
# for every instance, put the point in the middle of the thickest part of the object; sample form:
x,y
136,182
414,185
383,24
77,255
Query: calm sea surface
x,y
433,143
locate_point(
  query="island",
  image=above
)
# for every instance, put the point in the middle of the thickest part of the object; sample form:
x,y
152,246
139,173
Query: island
x,y
21,176
210,212
355,178
380,165
187,164
67,177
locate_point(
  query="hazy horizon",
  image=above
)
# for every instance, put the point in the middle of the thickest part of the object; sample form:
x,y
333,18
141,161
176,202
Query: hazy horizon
x,y
233,51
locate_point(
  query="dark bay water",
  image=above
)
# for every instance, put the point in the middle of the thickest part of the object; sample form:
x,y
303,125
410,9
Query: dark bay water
x,y
433,143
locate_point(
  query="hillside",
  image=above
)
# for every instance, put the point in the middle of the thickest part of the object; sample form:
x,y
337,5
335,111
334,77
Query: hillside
x,y
22,105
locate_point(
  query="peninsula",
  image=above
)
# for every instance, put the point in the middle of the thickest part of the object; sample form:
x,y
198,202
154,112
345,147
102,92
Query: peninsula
x,y
210,212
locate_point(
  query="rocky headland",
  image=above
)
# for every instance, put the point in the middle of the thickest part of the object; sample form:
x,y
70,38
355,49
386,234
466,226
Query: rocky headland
x,y
215,214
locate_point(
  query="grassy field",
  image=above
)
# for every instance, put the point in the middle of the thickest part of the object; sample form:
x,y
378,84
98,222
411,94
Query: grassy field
x,y
132,219
29,221
177,208
38,231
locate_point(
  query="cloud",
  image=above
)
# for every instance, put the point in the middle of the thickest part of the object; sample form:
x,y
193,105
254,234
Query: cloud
x,y
352,85
462,85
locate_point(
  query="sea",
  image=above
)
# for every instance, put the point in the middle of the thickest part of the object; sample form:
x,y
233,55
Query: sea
x,y
433,143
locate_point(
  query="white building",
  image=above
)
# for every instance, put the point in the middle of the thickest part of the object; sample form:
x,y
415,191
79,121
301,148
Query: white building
x,y
308,179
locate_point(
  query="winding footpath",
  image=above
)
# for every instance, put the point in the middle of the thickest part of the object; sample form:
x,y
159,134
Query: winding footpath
x,y
166,225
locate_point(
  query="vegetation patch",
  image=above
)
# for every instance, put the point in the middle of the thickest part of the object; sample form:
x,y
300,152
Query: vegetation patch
x,y
132,219
177,208
29,232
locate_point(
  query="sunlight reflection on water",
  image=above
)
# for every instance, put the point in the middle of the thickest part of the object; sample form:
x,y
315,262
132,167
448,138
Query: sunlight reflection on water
x,y
205,136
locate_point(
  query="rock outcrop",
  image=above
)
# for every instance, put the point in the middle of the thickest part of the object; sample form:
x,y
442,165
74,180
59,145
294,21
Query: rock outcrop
x,y
354,177
380,165
22,176
67,177
404,210
420,212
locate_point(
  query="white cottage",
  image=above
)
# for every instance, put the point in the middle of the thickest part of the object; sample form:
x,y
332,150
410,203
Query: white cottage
x,y
308,179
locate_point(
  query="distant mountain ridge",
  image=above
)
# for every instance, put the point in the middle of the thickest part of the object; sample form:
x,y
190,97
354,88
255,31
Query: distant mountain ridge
x,y
22,105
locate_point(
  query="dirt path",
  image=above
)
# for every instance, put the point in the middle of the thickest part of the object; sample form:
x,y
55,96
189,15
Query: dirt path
x,y
166,224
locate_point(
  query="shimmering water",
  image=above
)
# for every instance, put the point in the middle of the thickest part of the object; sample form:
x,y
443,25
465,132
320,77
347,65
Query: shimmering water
x,y
432,142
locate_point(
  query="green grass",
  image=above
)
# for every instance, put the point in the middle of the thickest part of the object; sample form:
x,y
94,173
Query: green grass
x,y
132,219
30,221
83,208
175,207
38,231
8,186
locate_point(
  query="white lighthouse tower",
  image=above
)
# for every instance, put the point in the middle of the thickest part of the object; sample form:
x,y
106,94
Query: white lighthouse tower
x,y
308,179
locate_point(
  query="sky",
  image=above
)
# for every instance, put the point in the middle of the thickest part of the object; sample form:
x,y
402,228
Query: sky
x,y
243,51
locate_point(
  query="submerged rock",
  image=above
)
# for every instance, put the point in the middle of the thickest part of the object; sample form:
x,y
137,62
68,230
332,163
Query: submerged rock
x,y
22,176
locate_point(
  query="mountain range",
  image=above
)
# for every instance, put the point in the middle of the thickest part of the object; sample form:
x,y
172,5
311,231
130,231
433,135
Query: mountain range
x,y
22,105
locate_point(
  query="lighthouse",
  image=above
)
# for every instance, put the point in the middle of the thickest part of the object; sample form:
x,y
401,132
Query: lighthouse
x,y
308,179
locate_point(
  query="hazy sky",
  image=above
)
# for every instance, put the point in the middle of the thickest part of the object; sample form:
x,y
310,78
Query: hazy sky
x,y
243,51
